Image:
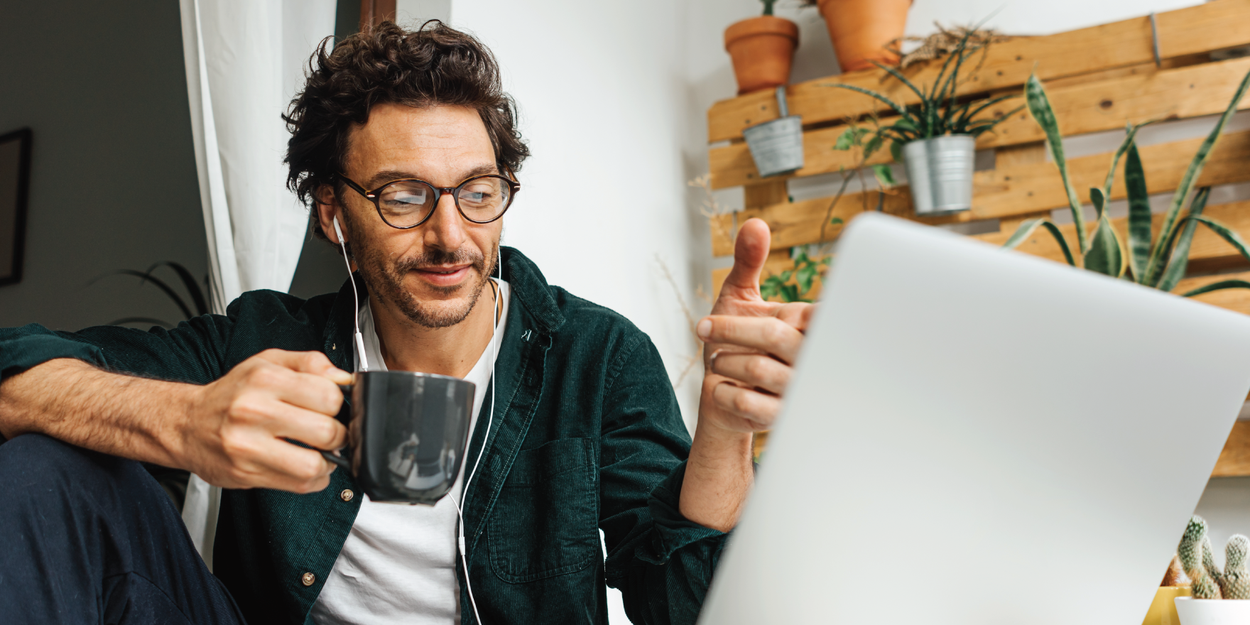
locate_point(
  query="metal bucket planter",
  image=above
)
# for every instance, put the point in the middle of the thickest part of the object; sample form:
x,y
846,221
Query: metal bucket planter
x,y
939,171
777,145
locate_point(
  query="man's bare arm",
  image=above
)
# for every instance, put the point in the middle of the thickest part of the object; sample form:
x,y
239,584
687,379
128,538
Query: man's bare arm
x,y
232,432
77,403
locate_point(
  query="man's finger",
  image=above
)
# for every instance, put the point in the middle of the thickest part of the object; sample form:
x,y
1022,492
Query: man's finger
x,y
315,363
753,371
750,252
311,428
797,314
764,334
311,392
756,407
289,467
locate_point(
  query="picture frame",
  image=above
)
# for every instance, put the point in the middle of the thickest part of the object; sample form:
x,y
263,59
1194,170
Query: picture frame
x,y
15,150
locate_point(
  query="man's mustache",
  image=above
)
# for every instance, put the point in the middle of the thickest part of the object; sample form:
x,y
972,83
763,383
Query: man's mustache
x,y
435,258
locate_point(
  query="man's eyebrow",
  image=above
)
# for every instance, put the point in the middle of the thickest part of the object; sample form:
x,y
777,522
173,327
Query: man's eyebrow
x,y
389,175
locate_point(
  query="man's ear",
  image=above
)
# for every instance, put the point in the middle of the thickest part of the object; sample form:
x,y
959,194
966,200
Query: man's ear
x,y
327,207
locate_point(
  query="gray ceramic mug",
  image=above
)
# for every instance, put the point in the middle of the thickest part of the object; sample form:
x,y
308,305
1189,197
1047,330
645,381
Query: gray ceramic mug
x,y
409,432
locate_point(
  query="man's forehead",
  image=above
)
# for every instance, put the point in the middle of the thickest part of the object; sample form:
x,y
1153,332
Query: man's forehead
x,y
420,140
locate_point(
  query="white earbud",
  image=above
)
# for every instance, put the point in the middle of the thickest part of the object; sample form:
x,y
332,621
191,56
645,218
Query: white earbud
x,y
360,340
337,230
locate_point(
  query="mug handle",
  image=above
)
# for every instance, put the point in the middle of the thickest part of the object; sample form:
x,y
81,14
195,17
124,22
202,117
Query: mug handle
x,y
336,459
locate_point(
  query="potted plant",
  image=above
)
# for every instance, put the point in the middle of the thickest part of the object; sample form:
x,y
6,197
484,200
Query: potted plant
x,y
936,138
860,30
1154,262
1219,596
762,50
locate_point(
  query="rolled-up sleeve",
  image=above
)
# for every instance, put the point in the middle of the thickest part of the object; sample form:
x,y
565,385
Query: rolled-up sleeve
x,y
191,352
661,561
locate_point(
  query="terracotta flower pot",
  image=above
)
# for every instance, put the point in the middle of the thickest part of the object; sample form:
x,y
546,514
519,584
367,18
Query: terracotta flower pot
x,y
860,30
762,49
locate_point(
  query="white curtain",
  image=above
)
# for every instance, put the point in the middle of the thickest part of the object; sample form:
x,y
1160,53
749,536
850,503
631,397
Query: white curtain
x,y
245,61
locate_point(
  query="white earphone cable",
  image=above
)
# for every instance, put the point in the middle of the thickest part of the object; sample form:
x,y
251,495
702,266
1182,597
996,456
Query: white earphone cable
x,y
489,420
360,340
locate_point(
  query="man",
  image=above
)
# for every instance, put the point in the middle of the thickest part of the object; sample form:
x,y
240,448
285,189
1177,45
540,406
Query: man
x,y
406,140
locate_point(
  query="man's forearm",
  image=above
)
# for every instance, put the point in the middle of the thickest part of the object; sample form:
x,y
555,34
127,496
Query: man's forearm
x,y
117,414
718,478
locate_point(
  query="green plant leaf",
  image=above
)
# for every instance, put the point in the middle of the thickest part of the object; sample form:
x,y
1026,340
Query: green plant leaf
x,y
789,293
1178,258
836,221
896,151
845,141
1218,286
806,274
1039,106
872,94
1104,255
1027,227
1226,233
884,175
971,113
901,78
770,287
1154,269
1130,134
872,146
850,138
785,275
146,276
1140,222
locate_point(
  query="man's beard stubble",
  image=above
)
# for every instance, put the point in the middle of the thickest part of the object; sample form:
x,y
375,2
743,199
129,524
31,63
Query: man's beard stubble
x,y
386,283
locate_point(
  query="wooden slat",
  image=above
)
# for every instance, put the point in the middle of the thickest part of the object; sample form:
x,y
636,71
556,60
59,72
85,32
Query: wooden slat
x,y
1235,458
1208,252
1236,300
1006,191
1183,32
1105,105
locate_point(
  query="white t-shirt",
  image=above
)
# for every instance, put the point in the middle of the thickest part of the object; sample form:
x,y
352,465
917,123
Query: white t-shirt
x,y
399,562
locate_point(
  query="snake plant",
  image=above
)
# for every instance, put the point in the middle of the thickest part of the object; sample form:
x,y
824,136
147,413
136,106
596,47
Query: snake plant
x,y
1149,261
939,111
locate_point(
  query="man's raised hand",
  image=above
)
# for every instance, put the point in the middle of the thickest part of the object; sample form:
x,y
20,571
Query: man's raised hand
x,y
237,436
750,344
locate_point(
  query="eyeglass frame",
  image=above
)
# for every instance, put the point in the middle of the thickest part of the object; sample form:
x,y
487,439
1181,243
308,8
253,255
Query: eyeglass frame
x,y
373,196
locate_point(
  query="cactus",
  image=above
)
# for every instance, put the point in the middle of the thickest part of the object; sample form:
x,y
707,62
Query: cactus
x,y
1195,553
1235,583
1208,562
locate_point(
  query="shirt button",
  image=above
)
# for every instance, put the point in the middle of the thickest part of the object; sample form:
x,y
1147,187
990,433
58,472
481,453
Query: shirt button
x,y
347,494
308,579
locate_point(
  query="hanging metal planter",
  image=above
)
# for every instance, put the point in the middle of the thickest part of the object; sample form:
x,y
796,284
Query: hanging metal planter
x,y
777,145
939,172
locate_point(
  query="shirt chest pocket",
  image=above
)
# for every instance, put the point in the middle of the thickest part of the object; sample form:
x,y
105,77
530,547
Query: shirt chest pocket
x,y
545,522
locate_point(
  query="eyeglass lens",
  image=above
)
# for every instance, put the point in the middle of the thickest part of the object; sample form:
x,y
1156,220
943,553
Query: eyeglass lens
x,y
405,203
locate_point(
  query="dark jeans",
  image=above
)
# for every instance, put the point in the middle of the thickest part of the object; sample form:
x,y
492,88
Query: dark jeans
x,y
91,538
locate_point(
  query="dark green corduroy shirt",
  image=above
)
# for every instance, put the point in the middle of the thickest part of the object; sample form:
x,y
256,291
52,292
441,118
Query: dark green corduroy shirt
x,y
587,435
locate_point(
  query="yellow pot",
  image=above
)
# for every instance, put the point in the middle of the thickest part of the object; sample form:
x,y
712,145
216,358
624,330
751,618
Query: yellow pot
x,y
1163,608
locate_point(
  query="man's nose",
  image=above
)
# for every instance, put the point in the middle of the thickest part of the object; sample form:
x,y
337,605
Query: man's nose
x,y
445,228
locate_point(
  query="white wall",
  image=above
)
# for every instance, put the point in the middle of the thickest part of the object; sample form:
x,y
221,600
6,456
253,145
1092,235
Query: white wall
x,y
600,90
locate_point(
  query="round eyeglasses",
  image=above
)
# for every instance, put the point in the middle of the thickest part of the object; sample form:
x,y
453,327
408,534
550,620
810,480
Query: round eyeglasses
x,y
408,203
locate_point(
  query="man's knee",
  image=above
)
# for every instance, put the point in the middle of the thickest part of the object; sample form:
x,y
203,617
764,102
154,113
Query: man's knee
x,y
40,469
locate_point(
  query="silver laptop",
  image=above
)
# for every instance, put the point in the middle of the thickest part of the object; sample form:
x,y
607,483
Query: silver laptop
x,y
975,436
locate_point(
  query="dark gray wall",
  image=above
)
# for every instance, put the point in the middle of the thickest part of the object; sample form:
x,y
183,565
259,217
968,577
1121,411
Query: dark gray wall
x,y
113,182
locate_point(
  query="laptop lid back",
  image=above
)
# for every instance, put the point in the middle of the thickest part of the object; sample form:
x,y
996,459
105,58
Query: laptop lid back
x,y
976,436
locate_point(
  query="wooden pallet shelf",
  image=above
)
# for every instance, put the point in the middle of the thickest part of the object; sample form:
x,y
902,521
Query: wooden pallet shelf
x,y
1097,78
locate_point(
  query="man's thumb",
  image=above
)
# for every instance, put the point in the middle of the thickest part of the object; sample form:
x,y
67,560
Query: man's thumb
x,y
750,252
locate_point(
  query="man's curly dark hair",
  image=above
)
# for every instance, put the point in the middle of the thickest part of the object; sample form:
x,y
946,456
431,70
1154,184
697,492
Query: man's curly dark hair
x,y
433,65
